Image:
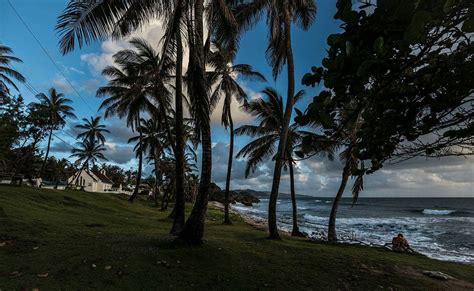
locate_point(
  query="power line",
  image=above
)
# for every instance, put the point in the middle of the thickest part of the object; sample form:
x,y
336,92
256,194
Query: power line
x,y
47,54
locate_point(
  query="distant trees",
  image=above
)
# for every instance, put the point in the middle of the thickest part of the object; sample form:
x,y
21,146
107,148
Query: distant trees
x,y
56,107
92,130
22,128
58,170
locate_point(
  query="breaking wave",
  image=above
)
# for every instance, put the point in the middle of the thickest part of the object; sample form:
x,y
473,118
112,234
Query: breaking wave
x,y
438,211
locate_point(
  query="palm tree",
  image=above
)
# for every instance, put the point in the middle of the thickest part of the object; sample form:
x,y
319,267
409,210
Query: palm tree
x,y
93,130
152,145
56,106
280,15
87,153
270,114
352,166
223,78
6,72
128,95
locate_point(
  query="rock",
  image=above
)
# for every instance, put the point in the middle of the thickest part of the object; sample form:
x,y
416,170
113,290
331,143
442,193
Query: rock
x,y
437,275
245,197
35,248
108,268
94,266
44,275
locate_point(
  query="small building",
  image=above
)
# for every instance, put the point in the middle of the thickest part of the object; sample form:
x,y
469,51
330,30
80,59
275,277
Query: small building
x,y
92,181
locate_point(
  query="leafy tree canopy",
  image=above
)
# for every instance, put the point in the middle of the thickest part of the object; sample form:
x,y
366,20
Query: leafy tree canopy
x,y
403,71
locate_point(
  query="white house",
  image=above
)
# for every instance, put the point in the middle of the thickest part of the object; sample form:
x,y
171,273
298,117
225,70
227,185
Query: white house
x,y
92,181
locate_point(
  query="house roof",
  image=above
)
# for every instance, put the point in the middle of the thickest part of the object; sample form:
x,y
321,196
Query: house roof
x,y
87,172
103,178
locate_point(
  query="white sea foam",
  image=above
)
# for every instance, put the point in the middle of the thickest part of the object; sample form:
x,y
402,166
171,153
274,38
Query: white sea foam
x,y
438,211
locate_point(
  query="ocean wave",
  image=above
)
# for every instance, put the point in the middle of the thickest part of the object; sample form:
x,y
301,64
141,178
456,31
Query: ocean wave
x,y
438,211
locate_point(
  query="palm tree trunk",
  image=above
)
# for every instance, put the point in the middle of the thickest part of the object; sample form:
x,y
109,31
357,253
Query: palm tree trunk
x,y
193,230
229,170
47,152
272,221
332,236
157,175
179,206
140,162
164,202
296,230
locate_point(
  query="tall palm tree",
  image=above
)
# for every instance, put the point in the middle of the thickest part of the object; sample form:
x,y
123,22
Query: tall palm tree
x,y
87,153
224,78
193,230
270,114
93,130
6,72
56,106
128,96
280,16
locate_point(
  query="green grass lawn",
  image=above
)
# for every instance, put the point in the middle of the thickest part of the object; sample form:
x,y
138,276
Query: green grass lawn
x,y
66,234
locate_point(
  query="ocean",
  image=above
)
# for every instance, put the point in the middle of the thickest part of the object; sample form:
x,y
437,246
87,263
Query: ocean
x,y
441,228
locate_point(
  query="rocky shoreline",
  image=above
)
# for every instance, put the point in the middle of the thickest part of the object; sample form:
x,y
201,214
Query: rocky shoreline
x,y
241,196
255,222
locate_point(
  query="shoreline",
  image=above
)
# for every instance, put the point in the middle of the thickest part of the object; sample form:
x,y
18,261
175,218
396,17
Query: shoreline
x,y
261,224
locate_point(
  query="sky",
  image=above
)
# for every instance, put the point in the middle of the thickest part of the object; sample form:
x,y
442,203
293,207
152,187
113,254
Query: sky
x,y
78,76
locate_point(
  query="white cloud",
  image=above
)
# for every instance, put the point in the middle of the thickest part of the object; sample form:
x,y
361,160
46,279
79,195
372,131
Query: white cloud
x,y
153,32
61,84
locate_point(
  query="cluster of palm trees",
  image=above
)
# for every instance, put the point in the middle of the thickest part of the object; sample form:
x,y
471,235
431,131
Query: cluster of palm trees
x,y
144,82
91,145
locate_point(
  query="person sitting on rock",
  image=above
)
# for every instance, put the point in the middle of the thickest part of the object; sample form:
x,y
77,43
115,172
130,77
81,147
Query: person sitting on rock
x,y
400,244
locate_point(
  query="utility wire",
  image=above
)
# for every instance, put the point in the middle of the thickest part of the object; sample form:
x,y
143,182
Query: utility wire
x,y
47,54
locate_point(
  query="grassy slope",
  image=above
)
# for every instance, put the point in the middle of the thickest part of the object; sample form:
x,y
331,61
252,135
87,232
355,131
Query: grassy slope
x,y
134,237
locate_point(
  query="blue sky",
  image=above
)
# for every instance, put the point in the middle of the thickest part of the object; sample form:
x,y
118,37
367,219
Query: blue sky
x,y
82,68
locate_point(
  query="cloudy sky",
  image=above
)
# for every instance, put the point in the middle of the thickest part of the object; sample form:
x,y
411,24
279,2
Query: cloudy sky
x,y
78,76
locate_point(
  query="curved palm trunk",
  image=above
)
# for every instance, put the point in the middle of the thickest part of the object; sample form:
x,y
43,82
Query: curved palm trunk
x,y
332,236
47,152
193,230
296,230
179,206
272,221
139,172
229,171
157,175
